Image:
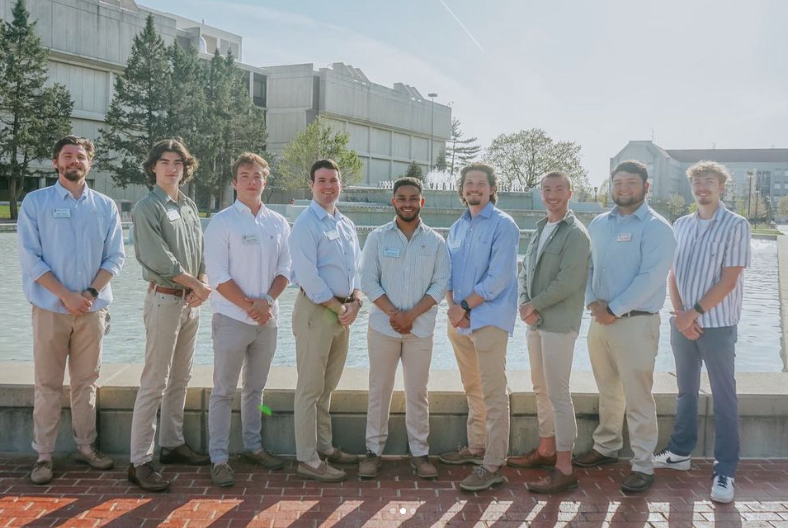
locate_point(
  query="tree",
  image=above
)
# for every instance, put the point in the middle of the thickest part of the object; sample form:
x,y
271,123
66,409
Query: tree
x,y
32,116
440,161
676,206
138,114
524,156
414,171
459,151
782,206
317,141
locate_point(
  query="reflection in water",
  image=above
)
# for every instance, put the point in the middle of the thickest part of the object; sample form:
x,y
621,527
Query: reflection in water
x,y
758,349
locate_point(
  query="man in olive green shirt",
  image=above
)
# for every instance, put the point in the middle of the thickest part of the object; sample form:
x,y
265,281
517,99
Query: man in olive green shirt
x,y
168,243
552,289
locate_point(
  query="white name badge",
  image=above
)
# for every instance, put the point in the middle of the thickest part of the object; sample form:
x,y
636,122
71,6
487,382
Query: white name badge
x,y
61,213
332,235
391,252
624,237
251,239
173,215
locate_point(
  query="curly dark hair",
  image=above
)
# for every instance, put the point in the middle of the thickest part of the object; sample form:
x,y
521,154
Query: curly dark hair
x,y
175,145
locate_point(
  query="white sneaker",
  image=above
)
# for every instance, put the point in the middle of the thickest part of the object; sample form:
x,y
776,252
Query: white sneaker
x,y
665,459
722,489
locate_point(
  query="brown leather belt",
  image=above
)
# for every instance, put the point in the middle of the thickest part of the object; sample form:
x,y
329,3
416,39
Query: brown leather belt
x,y
168,291
342,300
634,313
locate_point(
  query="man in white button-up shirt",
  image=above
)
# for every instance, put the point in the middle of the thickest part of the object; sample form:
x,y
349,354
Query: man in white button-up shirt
x,y
404,272
248,264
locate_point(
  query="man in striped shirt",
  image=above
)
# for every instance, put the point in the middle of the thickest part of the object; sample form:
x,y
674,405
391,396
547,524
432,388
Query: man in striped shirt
x,y
404,272
706,290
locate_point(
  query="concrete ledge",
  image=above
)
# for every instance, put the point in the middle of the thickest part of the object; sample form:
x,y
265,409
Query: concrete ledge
x,y
763,405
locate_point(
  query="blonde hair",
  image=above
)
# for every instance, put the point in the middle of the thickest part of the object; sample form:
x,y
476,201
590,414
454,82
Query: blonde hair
x,y
249,158
710,167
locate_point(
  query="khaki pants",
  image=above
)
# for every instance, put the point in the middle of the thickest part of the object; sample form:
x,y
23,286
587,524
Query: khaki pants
x,y
385,353
56,337
622,358
321,350
551,365
171,331
481,357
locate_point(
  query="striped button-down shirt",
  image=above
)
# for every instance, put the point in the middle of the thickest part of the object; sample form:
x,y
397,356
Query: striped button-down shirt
x,y
72,239
251,250
405,271
483,252
325,254
704,249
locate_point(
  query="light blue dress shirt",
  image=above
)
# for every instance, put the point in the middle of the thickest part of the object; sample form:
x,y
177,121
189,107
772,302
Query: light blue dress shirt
x,y
325,254
72,239
483,253
630,259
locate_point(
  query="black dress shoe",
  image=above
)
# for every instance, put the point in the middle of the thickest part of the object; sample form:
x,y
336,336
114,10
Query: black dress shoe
x,y
637,482
147,478
183,454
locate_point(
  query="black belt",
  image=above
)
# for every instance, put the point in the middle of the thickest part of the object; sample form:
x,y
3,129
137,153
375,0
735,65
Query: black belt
x,y
633,313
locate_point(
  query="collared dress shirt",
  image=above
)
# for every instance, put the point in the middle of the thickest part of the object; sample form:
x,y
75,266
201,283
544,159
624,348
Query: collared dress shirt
x,y
404,271
73,239
483,252
630,259
325,254
249,249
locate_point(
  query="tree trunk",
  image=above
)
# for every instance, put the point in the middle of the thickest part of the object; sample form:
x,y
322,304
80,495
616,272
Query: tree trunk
x,y
12,198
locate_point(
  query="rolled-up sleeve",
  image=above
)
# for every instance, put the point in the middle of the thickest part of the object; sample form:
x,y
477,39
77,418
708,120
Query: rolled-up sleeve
x,y
114,254
217,252
31,254
284,262
590,297
303,252
357,263
503,262
441,274
370,269
658,247
149,246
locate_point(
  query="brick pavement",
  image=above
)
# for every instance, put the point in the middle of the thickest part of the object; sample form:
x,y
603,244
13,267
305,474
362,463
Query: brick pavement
x,y
79,497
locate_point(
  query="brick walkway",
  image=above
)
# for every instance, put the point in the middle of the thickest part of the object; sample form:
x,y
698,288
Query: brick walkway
x,y
79,497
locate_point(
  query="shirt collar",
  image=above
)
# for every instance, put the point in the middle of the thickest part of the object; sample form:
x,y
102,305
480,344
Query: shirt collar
x,y
486,212
322,213
569,219
393,225
243,208
718,214
641,212
163,196
63,192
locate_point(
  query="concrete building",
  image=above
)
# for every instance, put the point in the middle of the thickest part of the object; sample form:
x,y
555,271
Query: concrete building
x,y
90,42
766,170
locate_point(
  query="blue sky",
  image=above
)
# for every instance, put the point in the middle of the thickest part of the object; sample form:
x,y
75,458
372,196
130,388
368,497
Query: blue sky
x,y
691,73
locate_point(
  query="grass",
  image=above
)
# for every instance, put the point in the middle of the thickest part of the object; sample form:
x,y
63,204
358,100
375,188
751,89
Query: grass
x,y
766,231
5,212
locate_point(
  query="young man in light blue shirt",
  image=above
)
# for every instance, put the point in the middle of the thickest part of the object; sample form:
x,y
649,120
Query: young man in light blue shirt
x,y
70,247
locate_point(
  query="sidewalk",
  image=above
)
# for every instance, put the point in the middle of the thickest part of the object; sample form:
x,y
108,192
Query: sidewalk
x,y
79,497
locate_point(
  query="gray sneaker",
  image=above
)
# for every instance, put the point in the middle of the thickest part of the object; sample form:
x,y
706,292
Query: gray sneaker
x,y
222,475
95,459
481,479
42,472
368,467
462,456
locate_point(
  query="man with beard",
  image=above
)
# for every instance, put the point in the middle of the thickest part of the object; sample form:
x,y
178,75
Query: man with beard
x,y
631,252
70,247
405,270
325,257
482,298
706,290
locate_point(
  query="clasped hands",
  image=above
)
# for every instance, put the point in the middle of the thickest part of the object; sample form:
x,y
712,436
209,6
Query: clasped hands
x,y
77,303
259,310
458,317
686,322
529,314
198,295
600,313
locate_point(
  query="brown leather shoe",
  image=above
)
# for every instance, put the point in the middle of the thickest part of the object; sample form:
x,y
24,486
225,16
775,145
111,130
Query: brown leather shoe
x,y
592,458
339,457
532,459
637,482
264,458
424,468
322,473
554,482
147,477
183,454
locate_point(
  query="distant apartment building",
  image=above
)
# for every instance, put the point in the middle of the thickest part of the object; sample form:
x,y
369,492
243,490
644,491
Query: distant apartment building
x,y
90,42
764,170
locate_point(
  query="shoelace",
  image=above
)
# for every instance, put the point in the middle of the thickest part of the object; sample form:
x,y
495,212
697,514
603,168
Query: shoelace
x,y
722,481
480,471
662,453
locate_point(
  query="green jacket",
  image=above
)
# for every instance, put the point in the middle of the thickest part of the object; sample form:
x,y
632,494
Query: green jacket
x,y
554,282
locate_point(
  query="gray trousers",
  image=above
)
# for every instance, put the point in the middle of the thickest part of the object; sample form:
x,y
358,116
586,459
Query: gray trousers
x,y
716,348
237,346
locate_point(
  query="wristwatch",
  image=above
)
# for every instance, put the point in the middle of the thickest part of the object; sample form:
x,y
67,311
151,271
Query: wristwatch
x,y
270,300
698,308
464,306
93,292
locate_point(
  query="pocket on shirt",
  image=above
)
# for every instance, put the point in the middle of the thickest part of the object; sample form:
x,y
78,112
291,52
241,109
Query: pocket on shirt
x,y
480,252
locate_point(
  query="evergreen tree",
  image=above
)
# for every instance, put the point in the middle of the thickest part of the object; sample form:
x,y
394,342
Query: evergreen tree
x,y
414,171
459,151
138,114
32,116
440,162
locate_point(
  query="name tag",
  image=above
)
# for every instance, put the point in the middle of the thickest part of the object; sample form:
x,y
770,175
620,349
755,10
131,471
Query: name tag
x,y
624,237
332,235
173,214
250,239
391,252
454,244
61,213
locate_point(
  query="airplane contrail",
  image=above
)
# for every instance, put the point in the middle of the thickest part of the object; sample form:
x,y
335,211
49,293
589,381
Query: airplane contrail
x,y
462,26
